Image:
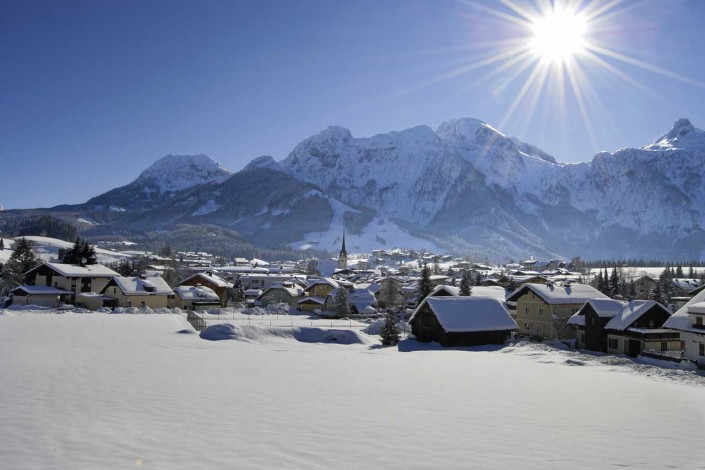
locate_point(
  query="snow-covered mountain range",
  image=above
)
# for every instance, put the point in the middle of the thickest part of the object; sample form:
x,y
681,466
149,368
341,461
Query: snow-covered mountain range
x,y
464,187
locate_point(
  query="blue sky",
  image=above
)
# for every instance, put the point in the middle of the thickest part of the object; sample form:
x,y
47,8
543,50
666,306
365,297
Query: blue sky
x,y
93,92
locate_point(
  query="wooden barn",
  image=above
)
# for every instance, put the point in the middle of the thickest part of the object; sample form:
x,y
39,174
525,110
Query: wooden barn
x,y
462,321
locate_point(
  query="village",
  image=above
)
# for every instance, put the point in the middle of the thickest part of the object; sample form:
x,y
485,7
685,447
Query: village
x,y
652,312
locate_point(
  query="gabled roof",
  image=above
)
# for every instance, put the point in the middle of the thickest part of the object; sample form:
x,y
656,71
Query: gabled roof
x,y
209,277
196,293
74,270
138,286
294,291
631,312
622,313
681,320
551,294
324,281
468,314
494,292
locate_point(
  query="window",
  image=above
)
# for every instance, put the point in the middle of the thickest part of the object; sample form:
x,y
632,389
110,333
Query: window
x,y
664,346
613,344
651,324
698,320
702,349
142,304
540,311
526,310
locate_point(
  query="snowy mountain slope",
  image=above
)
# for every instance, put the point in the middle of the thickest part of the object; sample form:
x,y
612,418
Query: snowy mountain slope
x,y
403,174
465,187
165,177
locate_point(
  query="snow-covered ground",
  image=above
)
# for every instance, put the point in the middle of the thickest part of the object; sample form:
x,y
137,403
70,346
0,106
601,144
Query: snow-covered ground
x,y
123,391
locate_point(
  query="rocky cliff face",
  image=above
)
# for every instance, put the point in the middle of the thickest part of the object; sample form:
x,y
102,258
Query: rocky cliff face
x,y
464,187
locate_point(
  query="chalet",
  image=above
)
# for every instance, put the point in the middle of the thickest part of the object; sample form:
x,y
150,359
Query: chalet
x,y
461,321
538,305
619,327
689,320
42,296
219,285
194,298
287,293
70,277
150,292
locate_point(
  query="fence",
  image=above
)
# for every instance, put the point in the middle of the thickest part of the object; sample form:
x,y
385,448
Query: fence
x,y
197,321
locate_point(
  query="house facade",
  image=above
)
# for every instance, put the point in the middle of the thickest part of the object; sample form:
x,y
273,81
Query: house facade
x,y
689,321
631,328
538,306
71,278
128,292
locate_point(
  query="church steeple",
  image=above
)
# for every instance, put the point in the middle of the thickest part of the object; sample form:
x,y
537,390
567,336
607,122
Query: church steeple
x,y
343,256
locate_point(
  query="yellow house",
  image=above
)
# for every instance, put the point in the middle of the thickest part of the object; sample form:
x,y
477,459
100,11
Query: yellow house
x,y
152,292
315,293
541,309
72,278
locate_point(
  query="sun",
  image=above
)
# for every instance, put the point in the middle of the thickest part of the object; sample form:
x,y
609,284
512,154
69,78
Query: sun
x,y
558,35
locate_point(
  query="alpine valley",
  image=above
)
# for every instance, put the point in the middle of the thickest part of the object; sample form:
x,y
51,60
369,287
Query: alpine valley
x,y
465,188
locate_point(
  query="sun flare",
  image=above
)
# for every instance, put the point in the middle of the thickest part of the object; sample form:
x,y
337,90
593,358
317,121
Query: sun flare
x,y
558,36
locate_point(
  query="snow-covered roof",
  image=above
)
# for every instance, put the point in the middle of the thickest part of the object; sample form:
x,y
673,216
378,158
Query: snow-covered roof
x,y
40,290
294,291
495,292
551,294
630,313
325,281
466,314
74,270
138,286
196,293
622,313
682,319
210,277
315,300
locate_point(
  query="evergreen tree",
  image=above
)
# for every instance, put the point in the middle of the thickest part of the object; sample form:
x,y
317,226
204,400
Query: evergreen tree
x,y
425,286
679,272
81,253
2,244
478,279
390,330
656,294
237,293
389,294
340,303
21,261
465,284
631,292
614,283
691,272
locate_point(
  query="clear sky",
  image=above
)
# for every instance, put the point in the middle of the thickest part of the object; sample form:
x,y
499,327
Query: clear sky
x,y
93,92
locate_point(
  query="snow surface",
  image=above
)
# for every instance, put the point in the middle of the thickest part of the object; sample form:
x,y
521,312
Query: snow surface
x,y
86,391
178,172
47,249
378,232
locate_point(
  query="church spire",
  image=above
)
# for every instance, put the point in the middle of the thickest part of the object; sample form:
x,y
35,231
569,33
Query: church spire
x,y
343,257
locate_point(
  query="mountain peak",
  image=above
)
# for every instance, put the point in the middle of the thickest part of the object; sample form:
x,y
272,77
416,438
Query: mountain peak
x,y
682,135
177,172
265,161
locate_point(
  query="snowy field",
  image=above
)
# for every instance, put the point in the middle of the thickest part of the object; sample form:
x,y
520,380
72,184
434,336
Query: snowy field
x,y
92,391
